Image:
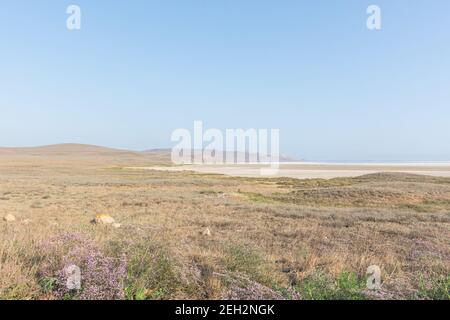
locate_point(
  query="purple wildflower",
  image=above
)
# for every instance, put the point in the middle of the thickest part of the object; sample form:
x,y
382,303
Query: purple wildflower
x,y
102,277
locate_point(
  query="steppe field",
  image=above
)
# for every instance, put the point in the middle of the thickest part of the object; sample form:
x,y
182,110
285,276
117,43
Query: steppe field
x,y
181,234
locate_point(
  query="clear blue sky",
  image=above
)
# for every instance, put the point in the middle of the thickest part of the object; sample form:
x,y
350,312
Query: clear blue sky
x,y
137,70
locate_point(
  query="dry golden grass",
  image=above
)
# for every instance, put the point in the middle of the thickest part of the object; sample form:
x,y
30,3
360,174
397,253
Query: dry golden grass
x,y
270,238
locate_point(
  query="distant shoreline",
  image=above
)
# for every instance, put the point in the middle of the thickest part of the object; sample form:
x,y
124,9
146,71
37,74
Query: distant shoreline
x,y
313,170
371,163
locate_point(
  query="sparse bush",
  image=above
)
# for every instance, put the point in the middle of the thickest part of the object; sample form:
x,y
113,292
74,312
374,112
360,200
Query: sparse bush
x,y
17,272
434,288
211,192
348,287
244,260
317,286
320,286
256,276
151,273
246,289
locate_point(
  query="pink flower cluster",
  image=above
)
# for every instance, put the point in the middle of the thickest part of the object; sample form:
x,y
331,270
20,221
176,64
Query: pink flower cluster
x,y
102,277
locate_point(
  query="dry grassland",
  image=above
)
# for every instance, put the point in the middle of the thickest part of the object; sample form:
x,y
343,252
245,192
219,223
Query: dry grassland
x,y
187,235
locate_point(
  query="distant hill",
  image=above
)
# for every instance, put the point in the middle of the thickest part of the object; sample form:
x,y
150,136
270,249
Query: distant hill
x,y
65,149
83,152
74,150
161,150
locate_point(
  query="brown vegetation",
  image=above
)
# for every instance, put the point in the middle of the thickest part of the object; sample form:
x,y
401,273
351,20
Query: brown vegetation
x,y
267,238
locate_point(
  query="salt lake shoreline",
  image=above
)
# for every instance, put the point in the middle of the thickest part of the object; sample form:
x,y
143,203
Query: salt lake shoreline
x,y
313,170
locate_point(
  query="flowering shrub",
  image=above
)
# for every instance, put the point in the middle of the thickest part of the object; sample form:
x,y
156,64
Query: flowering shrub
x,y
102,277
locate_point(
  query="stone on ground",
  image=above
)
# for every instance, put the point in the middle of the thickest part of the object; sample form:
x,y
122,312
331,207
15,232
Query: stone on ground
x,y
104,219
9,218
206,232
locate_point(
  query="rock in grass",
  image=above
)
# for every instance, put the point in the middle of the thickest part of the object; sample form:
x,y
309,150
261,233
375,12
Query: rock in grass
x,y
104,219
9,218
206,232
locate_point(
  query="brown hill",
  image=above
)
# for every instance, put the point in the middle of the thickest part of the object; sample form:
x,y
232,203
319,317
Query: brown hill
x,y
82,152
66,149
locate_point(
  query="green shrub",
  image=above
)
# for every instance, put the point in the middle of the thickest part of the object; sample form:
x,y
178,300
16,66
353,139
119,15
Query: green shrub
x,y
320,286
245,260
435,288
151,274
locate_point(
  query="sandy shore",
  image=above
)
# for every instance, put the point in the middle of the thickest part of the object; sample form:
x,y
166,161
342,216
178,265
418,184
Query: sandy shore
x,y
309,170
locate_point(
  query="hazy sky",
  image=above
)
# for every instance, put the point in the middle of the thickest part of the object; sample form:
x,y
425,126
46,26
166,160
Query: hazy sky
x,y
137,70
